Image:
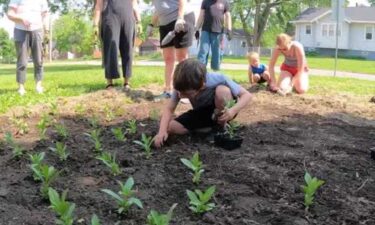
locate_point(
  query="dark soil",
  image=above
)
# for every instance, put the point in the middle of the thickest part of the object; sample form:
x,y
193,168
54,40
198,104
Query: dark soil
x,y
258,183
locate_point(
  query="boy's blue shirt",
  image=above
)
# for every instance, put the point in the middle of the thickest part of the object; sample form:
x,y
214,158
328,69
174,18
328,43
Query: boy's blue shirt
x,y
259,70
214,79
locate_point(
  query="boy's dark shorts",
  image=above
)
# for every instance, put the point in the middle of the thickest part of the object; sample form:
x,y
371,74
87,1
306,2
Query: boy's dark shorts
x,y
197,118
182,39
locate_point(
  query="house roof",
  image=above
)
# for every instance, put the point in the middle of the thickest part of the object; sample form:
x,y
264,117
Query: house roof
x,y
352,14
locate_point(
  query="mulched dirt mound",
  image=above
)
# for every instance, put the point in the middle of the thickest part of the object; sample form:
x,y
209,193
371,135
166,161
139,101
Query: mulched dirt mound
x,y
258,183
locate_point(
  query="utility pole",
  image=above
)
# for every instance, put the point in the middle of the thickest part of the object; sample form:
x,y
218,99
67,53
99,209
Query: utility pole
x,y
337,35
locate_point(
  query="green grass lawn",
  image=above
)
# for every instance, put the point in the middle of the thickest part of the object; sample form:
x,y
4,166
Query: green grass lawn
x,y
73,80
324,63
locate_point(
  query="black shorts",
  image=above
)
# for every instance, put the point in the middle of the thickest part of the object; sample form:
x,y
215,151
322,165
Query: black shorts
x,y
197,118
182,39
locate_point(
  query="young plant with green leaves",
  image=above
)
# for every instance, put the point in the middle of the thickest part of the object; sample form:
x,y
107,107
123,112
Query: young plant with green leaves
x,y
61,130
312,185
131,126
17,150
94,136
95,220
42,125
199,201
196,165
145,143
229,103
36,162
110,162
109,114
61,207
231,128
79,109
22,126
47,174
156,218
119,134
53,108
125,198
60,150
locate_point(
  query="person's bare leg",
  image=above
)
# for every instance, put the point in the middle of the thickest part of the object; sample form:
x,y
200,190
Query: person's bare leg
x,y
301,85
285,82
182,54
169,59
175,127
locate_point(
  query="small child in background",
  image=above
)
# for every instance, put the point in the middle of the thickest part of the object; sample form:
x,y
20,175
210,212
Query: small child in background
x,y
258,72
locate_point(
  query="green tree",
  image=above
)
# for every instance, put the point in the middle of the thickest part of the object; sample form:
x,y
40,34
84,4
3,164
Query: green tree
x,y
255,15
72,32
7,49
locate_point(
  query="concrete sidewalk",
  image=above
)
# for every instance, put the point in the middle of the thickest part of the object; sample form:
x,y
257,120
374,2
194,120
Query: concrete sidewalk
x,y
229,66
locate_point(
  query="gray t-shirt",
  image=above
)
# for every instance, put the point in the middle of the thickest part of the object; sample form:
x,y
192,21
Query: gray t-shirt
x,y
167,10
212,81
32,11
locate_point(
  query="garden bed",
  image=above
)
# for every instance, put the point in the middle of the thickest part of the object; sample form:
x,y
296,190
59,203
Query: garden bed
x,y
258,183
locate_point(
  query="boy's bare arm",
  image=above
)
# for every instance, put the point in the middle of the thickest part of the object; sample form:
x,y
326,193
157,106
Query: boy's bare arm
x,y
166,117
251,78
243,99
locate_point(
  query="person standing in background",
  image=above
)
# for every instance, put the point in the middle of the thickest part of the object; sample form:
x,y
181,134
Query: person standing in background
x,y
213,17
31,28
118,19
173,15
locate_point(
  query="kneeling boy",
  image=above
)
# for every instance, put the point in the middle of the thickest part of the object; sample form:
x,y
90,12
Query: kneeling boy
x,y
206,92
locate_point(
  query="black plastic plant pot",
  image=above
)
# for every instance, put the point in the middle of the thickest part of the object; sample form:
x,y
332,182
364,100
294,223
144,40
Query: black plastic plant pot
x,y
373,154
223,140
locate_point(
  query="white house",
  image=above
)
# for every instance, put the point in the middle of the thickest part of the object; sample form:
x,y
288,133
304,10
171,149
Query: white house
x,y
316,30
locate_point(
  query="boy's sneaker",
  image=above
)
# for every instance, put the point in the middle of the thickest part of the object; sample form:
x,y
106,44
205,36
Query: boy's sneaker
x,y
39,89
21,91
126,87
165,94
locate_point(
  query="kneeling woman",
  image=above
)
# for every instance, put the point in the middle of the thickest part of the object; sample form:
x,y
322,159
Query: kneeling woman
x,y
293,71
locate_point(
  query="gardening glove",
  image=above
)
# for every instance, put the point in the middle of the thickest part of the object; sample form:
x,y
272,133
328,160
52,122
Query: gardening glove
x,y
149,30
179,25
229,34
139,29
197,35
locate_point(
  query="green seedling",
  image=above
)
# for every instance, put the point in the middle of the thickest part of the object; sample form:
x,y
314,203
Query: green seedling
x,y
61,130
146,144
94,122
95,220
230,103
195,165
61,207
109,114
79,109
131,126
42,126
231,128
154,114
156,218
36,162
125,198
47,174
53,108
199,201
17,150
95,138
22,126
110,162
119,134
26,113
60,150
312,185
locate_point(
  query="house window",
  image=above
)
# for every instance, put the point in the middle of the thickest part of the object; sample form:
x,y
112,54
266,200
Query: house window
x,y
368,33
308,29
329,30
243,44
324,30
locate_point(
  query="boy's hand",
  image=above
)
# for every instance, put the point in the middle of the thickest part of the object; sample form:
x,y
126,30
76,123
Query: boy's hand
x,y
159,139
227,115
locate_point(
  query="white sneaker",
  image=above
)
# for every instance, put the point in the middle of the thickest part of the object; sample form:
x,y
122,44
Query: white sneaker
x,y
39,89
21,91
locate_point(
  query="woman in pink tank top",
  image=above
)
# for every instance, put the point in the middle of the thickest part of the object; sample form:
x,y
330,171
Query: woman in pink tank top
x,y
293,71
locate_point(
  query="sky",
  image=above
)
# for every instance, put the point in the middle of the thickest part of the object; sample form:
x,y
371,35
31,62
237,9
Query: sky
x,y
8,25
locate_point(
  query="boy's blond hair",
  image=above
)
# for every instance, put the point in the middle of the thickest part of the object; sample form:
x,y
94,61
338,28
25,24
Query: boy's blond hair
x,y
283,39
252,55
